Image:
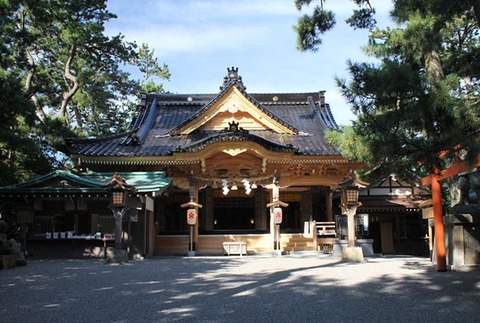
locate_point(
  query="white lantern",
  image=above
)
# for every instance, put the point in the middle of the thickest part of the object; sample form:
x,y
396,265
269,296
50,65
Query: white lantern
x,y
191,216
277,215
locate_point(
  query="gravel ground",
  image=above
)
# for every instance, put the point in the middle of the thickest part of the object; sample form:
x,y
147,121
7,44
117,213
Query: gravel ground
x,y
289,288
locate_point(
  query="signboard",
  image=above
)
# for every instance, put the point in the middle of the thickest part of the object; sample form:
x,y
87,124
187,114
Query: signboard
x,y
191,216
361,225
427,213
149,204
277,215
341,226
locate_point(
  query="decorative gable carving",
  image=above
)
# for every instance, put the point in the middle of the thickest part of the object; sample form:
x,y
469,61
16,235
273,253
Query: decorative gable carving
x,y
235,106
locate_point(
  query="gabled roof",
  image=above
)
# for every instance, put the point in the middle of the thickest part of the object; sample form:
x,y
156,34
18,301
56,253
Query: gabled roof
x,y
233,91
65,183
167,124
391,193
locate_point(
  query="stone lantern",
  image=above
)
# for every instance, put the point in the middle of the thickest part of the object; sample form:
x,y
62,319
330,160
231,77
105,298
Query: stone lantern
x,y
349,193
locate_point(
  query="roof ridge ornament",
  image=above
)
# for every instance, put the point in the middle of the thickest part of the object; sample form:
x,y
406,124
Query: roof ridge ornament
x,y
233,126
232,78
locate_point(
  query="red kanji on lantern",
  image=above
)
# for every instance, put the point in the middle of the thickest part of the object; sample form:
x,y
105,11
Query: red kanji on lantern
x,y
191,216
277,213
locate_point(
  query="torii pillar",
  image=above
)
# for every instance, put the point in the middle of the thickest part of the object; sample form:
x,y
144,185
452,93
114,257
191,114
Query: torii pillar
x,y
438,222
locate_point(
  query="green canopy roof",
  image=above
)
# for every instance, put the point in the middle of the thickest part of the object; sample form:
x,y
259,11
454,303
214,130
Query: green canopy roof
x,y
144,182
66,183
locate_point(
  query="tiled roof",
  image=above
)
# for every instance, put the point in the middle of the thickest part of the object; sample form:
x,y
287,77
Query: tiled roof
x,y
153,132
68,183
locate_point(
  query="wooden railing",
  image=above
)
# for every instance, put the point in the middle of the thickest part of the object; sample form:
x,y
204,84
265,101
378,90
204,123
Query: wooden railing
x,y
326,229
326,236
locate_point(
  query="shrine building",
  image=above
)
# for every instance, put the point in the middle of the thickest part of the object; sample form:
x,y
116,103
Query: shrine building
x,y
229,152
232,156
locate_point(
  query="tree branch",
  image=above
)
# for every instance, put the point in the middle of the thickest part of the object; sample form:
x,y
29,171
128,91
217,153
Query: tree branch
x,y
71,81
30,94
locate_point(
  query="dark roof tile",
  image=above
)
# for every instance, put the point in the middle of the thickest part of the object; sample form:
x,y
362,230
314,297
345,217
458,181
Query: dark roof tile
x,y
152,133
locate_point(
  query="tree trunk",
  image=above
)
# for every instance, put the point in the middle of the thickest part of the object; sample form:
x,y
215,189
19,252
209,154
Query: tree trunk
x,y
433,66
31,94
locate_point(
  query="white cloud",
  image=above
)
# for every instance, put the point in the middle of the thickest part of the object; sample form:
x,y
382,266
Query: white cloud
x,y
201,26
172,39
199,39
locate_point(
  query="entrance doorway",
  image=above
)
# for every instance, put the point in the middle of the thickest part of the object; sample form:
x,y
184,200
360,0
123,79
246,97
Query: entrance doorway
x,y
292,218
234,214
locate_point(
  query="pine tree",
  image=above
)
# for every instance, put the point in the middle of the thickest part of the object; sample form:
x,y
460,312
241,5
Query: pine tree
x,y
60,75
418,109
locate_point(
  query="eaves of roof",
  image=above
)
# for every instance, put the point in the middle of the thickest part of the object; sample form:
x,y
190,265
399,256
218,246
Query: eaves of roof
x,y
142,181
235,136
61,174
86,183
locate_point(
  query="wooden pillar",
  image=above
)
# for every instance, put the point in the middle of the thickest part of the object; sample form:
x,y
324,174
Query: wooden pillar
x,y
307,211
272,220
261,222
194,197
161,211
430,240
151,234
329,204
209,209
274,228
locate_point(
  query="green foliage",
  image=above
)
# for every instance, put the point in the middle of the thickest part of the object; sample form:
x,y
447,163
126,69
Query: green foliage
x,y
68,54
311,27
362,19
415,112
151,69
61,76
352,146
20,154
418,108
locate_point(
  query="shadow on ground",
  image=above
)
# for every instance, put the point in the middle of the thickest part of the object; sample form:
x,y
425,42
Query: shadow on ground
x,y
238,289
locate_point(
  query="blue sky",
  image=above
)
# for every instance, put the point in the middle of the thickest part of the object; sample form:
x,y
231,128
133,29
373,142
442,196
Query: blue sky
x,y
200,39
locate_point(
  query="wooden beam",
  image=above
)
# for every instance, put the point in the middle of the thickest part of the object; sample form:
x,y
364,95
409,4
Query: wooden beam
x,y
453,170
320,180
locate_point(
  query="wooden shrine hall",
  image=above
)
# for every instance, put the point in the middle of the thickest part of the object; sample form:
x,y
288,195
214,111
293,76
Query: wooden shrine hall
x,y
234,157
233,153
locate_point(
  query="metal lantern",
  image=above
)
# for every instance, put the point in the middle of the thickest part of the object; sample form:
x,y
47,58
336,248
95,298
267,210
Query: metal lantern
x,y
119,198
349,196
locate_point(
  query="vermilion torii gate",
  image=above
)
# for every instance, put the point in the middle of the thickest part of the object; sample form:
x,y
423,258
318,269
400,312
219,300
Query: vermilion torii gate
x,y
434,181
